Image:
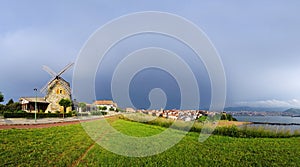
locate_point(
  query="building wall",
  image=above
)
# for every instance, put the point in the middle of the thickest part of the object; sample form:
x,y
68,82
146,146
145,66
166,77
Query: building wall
x,y
57,91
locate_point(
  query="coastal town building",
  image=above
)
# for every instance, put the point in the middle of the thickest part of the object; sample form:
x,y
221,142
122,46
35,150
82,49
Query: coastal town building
x,y
129,109
185,115
109,105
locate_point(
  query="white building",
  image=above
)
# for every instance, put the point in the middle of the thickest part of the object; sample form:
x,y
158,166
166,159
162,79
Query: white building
x,y
109,104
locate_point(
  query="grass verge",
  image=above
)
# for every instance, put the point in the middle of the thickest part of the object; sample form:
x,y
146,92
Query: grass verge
x,y
233,131
64,146
215,151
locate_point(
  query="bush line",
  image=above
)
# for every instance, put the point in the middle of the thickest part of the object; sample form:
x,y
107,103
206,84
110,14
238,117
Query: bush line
x,y
232,131
32,115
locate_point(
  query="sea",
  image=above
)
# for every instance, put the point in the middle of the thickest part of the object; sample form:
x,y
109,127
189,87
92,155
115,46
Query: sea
x,y
273,119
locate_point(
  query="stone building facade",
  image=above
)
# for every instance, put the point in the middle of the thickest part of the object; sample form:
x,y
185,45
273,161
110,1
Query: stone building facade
x,y
57,90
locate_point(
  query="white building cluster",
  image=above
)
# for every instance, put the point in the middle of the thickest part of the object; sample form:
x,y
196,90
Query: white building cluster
x,y
186,115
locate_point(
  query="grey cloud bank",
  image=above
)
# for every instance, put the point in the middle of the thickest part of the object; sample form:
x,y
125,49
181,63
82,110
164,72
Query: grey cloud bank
x,y
257,42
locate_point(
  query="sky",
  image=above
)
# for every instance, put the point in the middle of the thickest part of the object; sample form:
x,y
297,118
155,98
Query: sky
x,y
257,42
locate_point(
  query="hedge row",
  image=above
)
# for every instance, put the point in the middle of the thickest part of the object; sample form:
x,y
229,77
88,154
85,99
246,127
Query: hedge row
x,y
82,114
38,115
98,113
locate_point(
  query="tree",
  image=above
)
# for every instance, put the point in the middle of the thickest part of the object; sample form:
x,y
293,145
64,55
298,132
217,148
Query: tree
x,y
65,103
11,101
1,97
82,106
229,117
223,117
12,106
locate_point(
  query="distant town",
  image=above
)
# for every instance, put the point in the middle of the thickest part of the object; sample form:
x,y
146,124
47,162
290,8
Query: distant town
x,y
109,105
175,114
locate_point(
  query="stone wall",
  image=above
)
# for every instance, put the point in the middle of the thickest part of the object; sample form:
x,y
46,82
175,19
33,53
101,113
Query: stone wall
x,y
57,90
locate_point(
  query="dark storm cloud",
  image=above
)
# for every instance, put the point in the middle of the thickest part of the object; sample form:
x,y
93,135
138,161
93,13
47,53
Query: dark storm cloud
x,y
257,42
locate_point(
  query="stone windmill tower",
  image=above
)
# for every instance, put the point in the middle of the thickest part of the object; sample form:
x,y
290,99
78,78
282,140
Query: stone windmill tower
x,y
56,89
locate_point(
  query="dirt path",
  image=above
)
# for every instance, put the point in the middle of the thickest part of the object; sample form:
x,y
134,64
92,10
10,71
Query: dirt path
x,y
76,162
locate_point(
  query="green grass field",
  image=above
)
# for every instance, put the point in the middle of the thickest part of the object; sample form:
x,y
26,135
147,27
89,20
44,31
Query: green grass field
x,y
71,146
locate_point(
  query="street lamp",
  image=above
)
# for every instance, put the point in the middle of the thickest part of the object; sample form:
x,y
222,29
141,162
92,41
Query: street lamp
x,y
35,106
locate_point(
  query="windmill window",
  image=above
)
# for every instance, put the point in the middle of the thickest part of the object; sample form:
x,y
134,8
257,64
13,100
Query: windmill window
x,y
59,91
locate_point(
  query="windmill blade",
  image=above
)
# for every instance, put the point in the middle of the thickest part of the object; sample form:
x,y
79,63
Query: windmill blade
x,y
65,69
49,70
44,88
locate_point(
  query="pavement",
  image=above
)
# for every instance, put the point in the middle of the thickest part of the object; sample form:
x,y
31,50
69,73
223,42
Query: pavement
x,y
25,121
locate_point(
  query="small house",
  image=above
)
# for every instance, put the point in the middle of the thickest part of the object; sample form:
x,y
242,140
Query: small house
x,y
28,104
107,104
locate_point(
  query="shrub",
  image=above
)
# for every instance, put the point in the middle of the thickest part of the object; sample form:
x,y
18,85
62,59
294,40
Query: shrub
x,y
252,132
103,108
98,113
233,131
83,114
32,115
202,118
21,111
119,110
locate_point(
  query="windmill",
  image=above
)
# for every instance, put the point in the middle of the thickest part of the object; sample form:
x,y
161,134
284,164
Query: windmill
x,y
57,88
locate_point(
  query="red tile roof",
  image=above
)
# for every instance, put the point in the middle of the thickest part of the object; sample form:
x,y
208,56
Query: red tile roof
x,y
103,102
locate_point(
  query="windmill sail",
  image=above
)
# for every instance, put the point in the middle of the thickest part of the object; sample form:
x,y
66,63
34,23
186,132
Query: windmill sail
x,y
46,86
49,70
55,75
65,69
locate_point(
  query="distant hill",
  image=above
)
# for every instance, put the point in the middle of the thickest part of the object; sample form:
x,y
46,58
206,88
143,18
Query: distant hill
x,y
292,111
246,108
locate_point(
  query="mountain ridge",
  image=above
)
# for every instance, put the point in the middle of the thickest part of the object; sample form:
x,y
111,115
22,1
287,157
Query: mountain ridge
x,y
258,109
292,112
